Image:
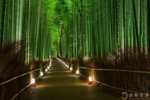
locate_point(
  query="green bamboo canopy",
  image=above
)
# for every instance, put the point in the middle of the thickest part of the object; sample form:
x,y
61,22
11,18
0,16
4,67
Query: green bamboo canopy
x,y
76,28
97,28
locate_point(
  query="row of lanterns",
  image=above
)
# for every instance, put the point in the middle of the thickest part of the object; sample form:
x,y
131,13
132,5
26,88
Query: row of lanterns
x,y
33,80
90,79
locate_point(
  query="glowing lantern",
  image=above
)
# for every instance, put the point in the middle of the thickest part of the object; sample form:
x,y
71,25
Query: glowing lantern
x,y
32,81
41,73
77,72
46,70
90,79
71,69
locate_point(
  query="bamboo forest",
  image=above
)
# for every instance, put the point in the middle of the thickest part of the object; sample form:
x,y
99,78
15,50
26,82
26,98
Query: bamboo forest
x,y
105,42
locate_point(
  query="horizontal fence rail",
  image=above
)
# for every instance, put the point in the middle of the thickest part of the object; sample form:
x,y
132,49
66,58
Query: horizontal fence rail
x,y
106,70
16,77
115,70
112,70
22,75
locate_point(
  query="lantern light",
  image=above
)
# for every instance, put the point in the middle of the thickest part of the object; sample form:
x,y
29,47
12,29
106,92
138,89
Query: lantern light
x,y
71,69
90,79
41,73
46,70
32,81
77,72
